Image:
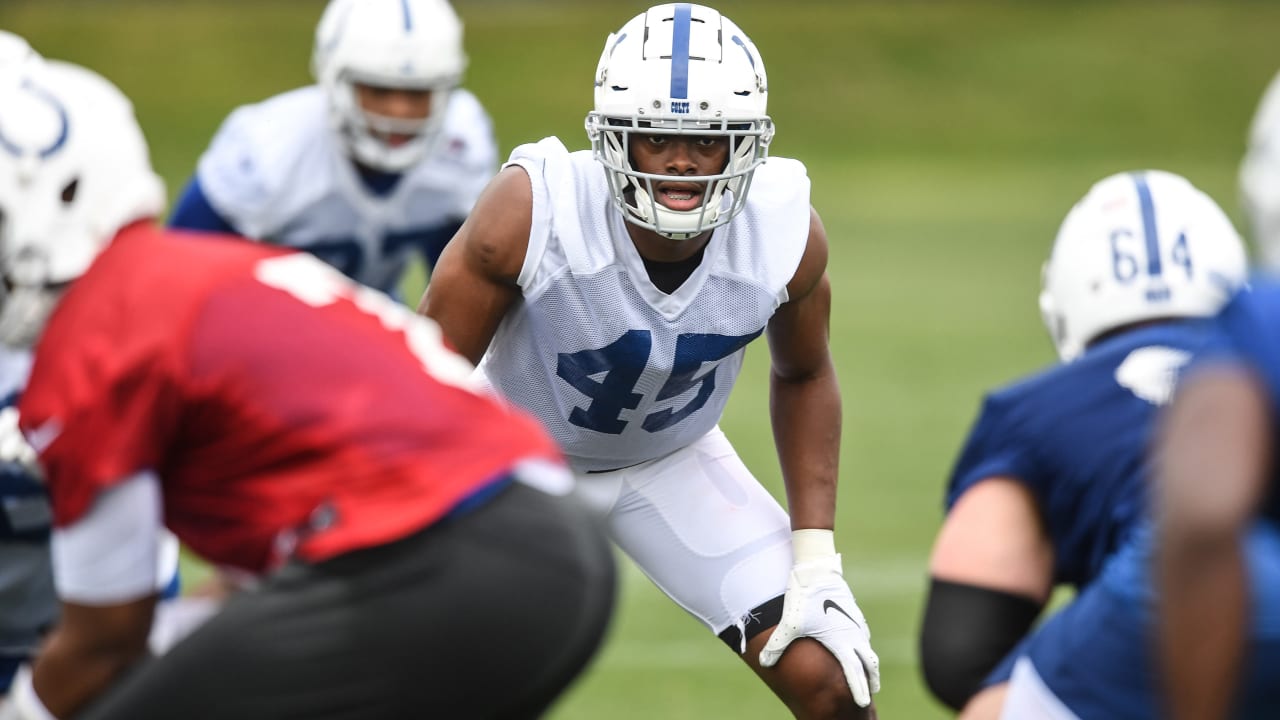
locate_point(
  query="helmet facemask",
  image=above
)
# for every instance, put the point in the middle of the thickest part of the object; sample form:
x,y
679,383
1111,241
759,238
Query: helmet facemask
x,y
723,195
684,70
366,134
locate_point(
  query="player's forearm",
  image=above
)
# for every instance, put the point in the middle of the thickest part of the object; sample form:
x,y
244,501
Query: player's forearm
x,y
69,675
806,416
1200,658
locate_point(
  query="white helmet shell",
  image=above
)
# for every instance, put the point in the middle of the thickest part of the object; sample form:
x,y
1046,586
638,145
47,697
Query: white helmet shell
x,y
403,44
14,51
1260,177
680,69
1139,246
74,170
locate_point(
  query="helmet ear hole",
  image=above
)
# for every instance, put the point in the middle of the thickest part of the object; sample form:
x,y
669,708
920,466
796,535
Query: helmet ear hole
x,y
69,191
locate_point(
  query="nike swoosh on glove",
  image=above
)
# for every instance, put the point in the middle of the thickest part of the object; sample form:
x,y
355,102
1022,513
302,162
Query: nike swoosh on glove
x,y
819,605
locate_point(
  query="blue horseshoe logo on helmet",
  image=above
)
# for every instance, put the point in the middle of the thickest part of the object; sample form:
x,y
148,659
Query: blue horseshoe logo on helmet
x,y
13,149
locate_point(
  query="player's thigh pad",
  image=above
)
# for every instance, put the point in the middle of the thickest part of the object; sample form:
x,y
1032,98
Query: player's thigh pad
x,y
700,525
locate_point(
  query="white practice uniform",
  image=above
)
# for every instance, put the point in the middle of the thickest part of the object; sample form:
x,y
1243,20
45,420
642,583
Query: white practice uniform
x,y
277,172
632,381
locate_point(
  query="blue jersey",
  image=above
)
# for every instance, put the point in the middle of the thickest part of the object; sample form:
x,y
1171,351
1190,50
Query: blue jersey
x,y
1076,435
1248,332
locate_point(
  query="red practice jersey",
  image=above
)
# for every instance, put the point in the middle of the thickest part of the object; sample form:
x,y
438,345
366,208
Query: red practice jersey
x,y
282,407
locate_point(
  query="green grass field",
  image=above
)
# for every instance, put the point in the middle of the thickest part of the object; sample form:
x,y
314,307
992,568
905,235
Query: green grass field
x,y
946,141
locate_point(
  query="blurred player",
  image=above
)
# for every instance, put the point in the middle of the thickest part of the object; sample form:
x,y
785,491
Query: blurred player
x,y
1051,479
1217,544
27,603
1218,512
413,551
381,159
616,291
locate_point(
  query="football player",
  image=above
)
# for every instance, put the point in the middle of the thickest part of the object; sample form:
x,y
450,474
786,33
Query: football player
x,y
1051,479
382,158
616,290
1217,539
27,603
1219,595
1215,524
282,420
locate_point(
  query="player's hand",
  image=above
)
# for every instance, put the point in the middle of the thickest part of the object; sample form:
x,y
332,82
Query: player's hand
x,y
14,448
819,605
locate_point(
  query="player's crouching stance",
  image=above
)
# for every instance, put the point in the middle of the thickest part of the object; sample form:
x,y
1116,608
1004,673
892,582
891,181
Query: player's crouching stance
x,y
414,552
694,246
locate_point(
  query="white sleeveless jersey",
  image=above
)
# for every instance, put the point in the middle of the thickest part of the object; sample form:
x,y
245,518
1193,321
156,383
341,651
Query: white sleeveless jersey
x,y
617,370
277,172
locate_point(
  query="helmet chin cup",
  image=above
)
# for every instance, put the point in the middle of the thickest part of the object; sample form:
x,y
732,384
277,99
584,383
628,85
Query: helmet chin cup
x,y
366,134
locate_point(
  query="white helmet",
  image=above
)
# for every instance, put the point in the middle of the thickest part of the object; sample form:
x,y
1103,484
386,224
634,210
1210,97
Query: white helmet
x,y
408,44
680,68
14,51
1260,177
74,170
1139,246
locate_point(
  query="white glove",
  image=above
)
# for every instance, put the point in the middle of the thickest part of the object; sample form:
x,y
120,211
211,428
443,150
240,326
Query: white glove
x,y
14,447
819,605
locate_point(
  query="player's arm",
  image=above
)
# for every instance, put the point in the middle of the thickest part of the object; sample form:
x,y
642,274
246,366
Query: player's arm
x,y
1213,456
991,573
804,394
805,413
475,282
194,211
105,571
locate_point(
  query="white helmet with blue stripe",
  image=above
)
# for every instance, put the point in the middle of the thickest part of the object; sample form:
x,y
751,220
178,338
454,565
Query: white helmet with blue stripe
x,y
402,44
680,69
74,170
1139,246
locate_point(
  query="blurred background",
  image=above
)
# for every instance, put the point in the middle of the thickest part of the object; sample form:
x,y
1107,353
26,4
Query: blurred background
x,y
945,141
